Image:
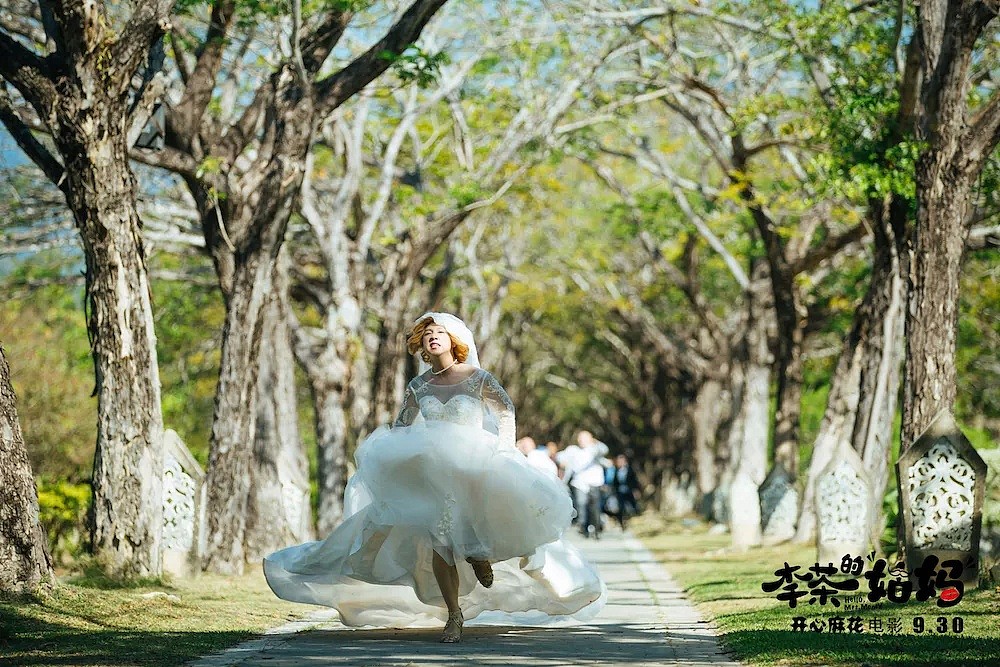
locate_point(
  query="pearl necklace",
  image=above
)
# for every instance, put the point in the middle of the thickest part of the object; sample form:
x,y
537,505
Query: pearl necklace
x,y
444,369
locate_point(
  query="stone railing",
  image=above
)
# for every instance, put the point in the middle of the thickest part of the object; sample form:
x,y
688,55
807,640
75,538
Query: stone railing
x,y
183,507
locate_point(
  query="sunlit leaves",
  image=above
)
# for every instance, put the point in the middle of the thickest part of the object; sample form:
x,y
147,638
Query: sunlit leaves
x,y
415,64
466,193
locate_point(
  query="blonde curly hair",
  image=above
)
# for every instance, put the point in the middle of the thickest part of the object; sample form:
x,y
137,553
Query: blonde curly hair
x,y
414,340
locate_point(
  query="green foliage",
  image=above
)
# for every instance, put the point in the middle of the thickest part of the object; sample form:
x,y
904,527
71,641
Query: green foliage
x,y
209,166
813,408
890,511
45,340
182,7
416,65
467,193
188,320
62,511
978,401
53,374
991,511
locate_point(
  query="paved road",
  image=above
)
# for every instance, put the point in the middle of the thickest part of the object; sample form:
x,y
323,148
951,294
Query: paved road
x,y
647,621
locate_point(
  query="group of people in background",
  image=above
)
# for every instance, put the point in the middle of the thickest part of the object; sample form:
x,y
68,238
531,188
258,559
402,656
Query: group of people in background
x,y
597,485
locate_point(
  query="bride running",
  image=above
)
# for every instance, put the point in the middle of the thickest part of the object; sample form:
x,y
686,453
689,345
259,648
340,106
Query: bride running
x,y
441,500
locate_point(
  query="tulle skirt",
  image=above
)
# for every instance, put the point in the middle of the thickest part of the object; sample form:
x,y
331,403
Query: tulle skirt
x,y
452,489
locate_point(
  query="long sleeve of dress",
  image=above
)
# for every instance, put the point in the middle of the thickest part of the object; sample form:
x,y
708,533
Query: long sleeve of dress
x,y
410,410
502,408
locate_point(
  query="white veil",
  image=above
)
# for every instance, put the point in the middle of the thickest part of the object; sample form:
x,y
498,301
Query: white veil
x,y
456,328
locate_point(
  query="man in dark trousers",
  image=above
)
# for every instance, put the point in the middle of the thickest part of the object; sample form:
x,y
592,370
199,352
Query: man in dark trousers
x,y
585,476
623,486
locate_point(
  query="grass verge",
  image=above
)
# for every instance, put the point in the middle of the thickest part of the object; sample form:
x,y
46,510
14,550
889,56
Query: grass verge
x,y
100,624
756,627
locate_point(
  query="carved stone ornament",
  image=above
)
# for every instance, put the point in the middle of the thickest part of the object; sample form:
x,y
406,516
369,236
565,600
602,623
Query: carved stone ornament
x,y
295,501
941,481
843,506
183,506
779,505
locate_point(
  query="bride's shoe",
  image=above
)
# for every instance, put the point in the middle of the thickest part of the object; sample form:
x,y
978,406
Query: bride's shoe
x,y
453,628
483,570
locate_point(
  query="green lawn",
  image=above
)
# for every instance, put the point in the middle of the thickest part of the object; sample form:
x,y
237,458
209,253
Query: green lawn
x,y
756,627
96,624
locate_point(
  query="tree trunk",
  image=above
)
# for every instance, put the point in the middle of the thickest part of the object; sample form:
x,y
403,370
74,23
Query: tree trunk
x,y
877,442
279,510
652,383
934,267
126,518
359,393
838,421
390,362
331,439
730,440
245,265
789,400
680,485
24,556
235,420
79,89
744,513
660,476
956,143
329,359
751,466
706,416
756,404
879,381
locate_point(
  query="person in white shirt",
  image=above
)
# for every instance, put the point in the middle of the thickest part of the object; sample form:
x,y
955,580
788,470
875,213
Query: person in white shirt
x,y
585,475
538,456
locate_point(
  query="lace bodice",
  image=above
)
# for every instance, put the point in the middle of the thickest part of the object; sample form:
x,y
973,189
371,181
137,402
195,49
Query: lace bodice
x,y
478,400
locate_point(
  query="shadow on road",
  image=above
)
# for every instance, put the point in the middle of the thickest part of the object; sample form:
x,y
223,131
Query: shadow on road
x,y
483,645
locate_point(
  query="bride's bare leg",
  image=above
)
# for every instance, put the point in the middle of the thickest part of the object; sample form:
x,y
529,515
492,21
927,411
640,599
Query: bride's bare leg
x,y
447,579
483,568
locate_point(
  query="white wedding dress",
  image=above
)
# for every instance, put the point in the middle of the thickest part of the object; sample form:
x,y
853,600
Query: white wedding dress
x,y
446,477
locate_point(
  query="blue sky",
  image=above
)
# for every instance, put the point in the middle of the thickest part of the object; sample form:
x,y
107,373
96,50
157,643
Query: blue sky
x,y
10,152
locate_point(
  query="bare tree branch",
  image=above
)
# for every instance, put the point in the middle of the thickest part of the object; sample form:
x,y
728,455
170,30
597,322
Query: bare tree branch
x,y
984,133
144,106
148,23
983,237
830,247
646,13
202,80
33,148
332,91
318,44
167,158
29,73
16,23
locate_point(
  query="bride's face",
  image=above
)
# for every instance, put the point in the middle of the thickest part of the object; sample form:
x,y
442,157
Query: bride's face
x,y
436,340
